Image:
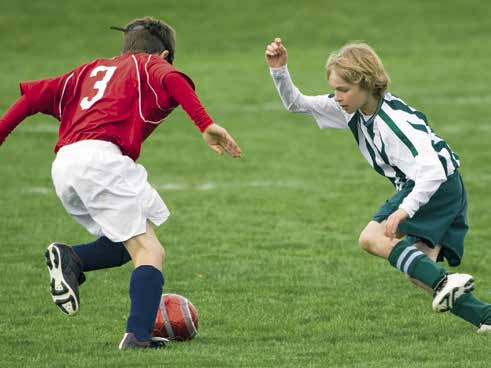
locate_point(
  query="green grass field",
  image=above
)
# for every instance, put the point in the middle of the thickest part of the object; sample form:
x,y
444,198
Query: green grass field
x,y
266,246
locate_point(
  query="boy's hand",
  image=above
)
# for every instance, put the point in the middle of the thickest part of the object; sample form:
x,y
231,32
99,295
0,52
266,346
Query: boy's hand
x,y
393,222
276,54
219,140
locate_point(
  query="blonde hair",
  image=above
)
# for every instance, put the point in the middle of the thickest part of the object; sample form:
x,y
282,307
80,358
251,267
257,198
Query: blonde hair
x,y
357,63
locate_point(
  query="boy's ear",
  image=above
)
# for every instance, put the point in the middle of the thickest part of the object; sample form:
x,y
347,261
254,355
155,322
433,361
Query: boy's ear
x,y
164,54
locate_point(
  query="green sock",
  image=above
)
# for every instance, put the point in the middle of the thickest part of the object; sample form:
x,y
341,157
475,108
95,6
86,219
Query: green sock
x,y
471,309
413,262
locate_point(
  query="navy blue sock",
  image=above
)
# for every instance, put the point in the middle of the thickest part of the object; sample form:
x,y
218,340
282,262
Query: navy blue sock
x,y
146,287
102,253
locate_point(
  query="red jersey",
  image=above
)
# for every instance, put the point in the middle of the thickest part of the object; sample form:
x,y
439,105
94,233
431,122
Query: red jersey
x,y
120,100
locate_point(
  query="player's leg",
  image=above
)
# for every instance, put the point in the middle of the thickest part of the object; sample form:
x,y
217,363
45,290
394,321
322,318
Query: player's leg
x,y
467,306
67,264
432,253
417,265
64,265
430,224
145,249
146,287
449,289
115,200
65,271
474,311
401,254
123,206
101,254
373,240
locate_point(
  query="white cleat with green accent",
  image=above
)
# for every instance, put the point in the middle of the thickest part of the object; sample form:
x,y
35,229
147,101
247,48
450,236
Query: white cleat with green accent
x,y
484,329
450,289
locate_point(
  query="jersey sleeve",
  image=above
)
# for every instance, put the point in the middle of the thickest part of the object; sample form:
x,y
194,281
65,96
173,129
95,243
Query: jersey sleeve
x,y
179,87
36,96
326,112
13,117
412,152
159,70
45,95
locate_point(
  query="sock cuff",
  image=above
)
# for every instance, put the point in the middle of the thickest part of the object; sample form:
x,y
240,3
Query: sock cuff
x,y
396,252
148,272
146,268
404,256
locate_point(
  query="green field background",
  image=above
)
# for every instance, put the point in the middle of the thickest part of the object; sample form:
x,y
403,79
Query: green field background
x,y
265,246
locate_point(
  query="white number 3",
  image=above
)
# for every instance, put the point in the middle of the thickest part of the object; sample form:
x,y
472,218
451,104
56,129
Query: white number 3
x,y
100,85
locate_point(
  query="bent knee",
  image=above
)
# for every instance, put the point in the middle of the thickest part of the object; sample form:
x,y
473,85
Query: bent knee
x,y
366,240
155,252
159,253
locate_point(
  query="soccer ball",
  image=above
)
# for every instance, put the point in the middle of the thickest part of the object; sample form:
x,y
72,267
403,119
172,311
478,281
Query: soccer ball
x,y
177,318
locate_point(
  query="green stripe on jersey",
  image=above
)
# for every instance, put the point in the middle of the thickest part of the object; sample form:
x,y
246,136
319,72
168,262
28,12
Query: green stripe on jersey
x,y
421,127
372,156
442,145
400,178
399,174
386,118
398,105
353,125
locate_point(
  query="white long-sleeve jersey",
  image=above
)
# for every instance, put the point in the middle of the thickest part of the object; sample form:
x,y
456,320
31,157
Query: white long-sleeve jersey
x,y
396,141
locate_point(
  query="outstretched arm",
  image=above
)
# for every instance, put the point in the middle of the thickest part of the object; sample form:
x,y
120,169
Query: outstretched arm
x,y
277,57
13,117
323,108
215,136
42,95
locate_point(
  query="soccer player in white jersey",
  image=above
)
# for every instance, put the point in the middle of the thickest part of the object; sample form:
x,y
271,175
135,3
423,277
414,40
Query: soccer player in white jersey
x,y
425,221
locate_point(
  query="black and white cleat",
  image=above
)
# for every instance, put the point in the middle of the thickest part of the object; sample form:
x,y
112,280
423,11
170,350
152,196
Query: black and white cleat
x,y
65,272
450,289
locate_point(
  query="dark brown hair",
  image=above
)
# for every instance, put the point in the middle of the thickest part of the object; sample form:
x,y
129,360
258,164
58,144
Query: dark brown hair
x,y
151,36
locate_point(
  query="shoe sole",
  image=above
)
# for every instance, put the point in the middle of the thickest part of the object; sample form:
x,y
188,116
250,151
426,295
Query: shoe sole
x,y
63,295
129,343
447,301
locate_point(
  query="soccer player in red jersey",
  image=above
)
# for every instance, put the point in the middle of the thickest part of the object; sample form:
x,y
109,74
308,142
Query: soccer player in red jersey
x,y
106,109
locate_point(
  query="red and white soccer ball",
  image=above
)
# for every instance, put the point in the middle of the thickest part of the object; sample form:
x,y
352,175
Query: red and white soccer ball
x,y
177,318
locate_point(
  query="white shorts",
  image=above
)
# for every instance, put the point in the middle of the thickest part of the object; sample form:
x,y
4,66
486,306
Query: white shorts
x,y
105,191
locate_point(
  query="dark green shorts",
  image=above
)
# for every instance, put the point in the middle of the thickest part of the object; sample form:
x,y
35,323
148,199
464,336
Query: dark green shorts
x,y
443,220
